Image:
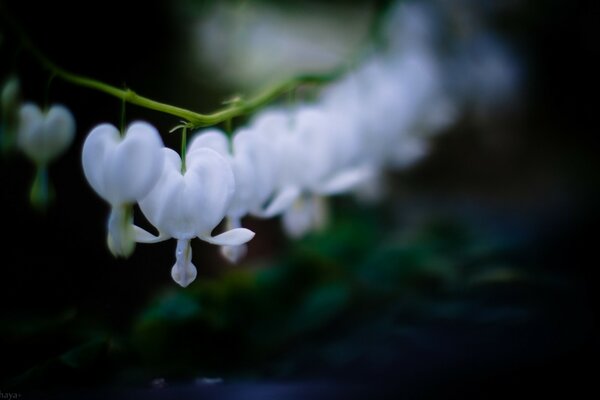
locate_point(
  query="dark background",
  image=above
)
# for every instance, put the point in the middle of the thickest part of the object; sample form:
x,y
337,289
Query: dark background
x,y
526,173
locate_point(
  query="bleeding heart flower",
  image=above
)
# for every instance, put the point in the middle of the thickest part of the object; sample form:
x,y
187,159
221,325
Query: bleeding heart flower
x,y
254,174
189,204
43,136
122,170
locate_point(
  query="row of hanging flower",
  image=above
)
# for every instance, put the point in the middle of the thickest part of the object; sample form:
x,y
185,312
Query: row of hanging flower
x,y
284,163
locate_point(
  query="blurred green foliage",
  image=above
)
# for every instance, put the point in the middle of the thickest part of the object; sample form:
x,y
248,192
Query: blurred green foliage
x,y
265,318
325,297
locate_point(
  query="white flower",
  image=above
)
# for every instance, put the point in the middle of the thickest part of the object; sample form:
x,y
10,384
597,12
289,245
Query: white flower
x,y
307,213
189,204
122,170
43,136
319,156
254,174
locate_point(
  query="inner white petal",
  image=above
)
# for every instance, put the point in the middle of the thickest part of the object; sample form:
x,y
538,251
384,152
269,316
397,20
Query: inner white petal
x,y
232,237
121,235
183,272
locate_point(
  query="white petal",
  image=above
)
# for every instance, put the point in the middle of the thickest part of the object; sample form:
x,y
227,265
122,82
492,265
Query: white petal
x,y
185,206
256,153
121,236
97,148
43,137
143,236
31,122
245,186
210,185
183,272
162,206
59,126
210,138
407,152
282,201
123,170
234,254
136,163
233,237
345,180
307,214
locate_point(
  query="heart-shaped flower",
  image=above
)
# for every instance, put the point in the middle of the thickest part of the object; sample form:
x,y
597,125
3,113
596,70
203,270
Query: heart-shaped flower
x,y
253,170
122,170
318,152
189,204
43,136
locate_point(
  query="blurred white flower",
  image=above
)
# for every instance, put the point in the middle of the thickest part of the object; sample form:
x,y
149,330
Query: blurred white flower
x,y
43,136
253,170
319,155
307,214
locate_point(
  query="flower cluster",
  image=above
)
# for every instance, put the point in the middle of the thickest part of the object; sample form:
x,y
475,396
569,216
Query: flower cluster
x,y
284,162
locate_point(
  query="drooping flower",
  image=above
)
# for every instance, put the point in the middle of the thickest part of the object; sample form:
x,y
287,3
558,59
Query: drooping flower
x,y
307,213
43,136
318,156
253,170
122,170
191,203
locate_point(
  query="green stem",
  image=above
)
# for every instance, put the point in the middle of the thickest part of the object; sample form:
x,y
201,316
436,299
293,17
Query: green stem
x,y
41,193
183,148
195,120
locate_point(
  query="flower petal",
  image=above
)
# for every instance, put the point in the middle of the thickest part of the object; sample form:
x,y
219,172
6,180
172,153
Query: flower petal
x,y
143,236
210,185
162,206
234,254
257,152
282,201
97,148
59,126
121,236
30,128
345,180
183,272
185,206
233,237
43,137
210,138
136,163
307,214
